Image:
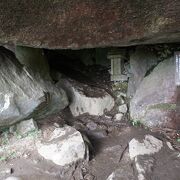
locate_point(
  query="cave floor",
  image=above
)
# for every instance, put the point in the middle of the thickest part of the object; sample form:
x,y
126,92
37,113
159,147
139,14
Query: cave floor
x,y
108,153
108,150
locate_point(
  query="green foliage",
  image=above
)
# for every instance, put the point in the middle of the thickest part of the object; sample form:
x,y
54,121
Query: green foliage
x,y
3,158
4,137
136,123
32,134
11,155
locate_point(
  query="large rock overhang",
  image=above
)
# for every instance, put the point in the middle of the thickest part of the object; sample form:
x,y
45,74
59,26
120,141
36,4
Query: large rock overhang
x,y
76,24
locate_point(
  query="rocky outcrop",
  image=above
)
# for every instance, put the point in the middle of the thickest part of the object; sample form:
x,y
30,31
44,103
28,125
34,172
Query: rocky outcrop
x,y
155,101
86,99
85,24
33,59
64,146
141,61
25,94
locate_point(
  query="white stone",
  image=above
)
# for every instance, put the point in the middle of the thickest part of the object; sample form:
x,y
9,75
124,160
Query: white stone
x,y
150,145
118,117
144,166
91,125
92,105
65,146
140,170
170,145
111,176
123,108
13,178
83,102
26,126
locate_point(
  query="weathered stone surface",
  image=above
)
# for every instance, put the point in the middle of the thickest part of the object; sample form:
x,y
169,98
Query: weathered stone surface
x,y
155,103
64,146
34,59
84,23
124,170
86,99
144,167
150,145
118,117
26,126
25,94
123,108
141,61
13,178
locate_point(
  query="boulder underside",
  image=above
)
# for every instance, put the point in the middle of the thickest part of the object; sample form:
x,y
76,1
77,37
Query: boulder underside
x,y
87,24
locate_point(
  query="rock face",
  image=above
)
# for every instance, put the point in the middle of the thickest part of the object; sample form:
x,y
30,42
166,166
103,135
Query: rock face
x,y
34,59
141,61
64,146
25,94
84,23
155,101
86,99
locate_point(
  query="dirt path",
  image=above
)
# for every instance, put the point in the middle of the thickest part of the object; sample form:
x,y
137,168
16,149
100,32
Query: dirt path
x,y
109,155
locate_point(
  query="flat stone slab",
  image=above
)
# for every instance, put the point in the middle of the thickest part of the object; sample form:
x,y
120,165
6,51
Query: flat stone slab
x,y
148,146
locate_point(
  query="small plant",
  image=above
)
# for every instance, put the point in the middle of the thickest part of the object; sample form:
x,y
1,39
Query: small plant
x,y
3,158
4,138
178,140
11,155
32,134
136,123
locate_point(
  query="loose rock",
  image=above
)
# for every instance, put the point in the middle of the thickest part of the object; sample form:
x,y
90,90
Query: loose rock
x,y
13,178
118,117
91,125
144,167
64,146
123,108
86,99
26,126
149,145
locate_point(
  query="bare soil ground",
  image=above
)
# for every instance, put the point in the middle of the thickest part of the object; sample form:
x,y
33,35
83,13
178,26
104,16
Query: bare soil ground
x,y
108,151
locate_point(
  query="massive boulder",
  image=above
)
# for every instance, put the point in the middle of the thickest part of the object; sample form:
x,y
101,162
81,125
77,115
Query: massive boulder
x,y
25,94
85,24
155,103
86,99
141,61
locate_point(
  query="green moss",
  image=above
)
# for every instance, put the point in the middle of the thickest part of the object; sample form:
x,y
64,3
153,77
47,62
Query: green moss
x,y
163,106
122,86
